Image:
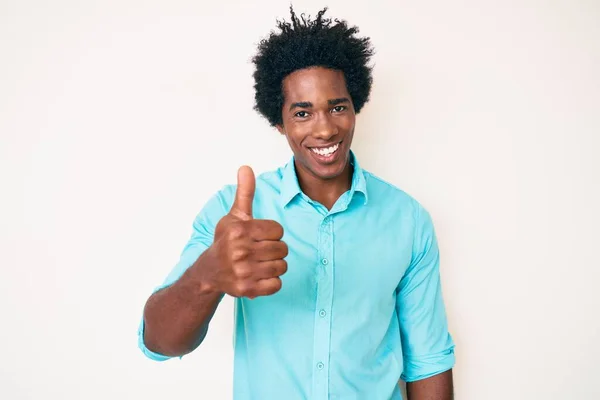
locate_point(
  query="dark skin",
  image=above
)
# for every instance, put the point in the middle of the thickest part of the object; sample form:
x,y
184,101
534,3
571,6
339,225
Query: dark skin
x,y
437,387
318,113
246,258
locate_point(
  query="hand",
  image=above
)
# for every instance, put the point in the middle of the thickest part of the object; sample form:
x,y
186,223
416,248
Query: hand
x,y
248,253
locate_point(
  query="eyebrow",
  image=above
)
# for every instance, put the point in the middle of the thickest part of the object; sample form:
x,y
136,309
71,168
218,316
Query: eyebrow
x,y
308,104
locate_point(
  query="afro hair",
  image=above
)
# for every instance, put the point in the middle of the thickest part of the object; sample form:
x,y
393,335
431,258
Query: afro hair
x,y
304,43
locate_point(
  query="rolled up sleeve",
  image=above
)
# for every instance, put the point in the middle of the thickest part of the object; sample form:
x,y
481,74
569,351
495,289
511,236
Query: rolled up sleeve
x,y
427,345
201,239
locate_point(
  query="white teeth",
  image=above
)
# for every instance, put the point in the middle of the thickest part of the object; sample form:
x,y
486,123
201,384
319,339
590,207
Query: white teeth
x,y
327,151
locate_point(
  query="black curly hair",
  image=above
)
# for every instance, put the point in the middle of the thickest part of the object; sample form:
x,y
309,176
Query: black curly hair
x,y
304,43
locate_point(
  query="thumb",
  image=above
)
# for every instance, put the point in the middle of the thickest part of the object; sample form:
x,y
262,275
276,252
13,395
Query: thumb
x,y
244,195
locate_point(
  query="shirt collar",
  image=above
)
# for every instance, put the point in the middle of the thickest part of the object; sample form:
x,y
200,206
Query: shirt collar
x,y
290,187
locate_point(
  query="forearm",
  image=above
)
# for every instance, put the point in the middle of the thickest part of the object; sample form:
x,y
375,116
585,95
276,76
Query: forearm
x,y
176,318
437,387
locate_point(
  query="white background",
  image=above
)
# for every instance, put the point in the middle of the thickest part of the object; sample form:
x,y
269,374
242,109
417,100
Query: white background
x,y
118,119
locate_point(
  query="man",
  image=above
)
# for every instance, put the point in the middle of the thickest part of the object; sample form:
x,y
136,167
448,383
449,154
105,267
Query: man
x,y
335,273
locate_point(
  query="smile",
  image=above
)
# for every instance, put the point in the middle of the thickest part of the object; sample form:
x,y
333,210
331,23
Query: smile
x,y
327,151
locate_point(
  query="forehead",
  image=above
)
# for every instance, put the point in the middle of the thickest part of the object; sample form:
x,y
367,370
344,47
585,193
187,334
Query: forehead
x,y
315,85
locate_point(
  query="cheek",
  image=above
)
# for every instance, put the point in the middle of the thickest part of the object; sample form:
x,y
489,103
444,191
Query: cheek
x,y
347,125
293,139
296,134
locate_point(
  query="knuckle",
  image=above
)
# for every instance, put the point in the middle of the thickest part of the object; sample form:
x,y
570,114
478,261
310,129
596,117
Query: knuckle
x,y
236,231
239,253
241,271
241,288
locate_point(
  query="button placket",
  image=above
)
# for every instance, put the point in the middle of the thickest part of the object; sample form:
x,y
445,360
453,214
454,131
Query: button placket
x,y
322,334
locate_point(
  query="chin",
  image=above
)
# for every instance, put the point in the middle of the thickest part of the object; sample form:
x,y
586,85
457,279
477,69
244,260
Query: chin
x,y
327,169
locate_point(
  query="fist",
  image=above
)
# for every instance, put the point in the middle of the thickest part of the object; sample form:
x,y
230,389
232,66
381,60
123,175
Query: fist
x,y
249,253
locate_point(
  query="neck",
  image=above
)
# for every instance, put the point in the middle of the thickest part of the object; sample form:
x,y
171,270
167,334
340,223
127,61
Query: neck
x,y
325,191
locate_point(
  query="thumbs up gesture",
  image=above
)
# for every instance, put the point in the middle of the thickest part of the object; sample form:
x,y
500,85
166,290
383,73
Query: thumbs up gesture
x,y
249,254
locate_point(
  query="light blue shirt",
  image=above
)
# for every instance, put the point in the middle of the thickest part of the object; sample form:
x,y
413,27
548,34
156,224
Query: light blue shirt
x,y
361,303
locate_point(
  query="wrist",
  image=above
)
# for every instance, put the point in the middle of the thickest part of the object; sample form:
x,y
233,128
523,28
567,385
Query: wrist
x,y
202,274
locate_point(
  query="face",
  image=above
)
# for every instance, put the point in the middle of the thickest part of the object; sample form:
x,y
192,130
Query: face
x,y
318,121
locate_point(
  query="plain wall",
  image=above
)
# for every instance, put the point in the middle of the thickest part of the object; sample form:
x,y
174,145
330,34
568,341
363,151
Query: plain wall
x,y
118,119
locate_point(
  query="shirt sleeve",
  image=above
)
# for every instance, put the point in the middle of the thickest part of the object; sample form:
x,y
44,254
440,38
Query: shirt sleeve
x,y
202,236
426,343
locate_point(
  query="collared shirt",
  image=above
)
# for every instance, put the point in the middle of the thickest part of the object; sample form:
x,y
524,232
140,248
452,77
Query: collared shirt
x,y
361,303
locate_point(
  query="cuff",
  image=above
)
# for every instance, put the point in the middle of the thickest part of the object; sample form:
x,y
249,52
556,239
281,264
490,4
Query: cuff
x,y
422,367
149,353
142,346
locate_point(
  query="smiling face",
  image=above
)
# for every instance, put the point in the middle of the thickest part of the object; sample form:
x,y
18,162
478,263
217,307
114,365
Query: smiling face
x,y
318,122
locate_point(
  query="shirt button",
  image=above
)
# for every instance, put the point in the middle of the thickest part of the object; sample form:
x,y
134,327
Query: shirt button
x,y
324,261
320,365
322,313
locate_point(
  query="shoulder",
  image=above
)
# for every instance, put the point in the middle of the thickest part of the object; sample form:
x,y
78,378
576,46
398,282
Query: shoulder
x,y
392,198
397,204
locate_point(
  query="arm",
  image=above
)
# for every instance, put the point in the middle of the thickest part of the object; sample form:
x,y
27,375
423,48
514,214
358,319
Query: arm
x,y
427,345
437,387
232,254
176,318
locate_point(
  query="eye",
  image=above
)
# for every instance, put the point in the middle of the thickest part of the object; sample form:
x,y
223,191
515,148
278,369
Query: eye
x,y
301,114
338,109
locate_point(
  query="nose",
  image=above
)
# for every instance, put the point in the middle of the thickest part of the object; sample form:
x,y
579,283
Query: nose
x,y
324,127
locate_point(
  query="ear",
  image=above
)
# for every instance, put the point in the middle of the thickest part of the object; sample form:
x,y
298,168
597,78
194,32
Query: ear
x,y
280,128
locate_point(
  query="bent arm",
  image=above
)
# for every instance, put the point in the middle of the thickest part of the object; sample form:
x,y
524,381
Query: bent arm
x,y
428,347
176,318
